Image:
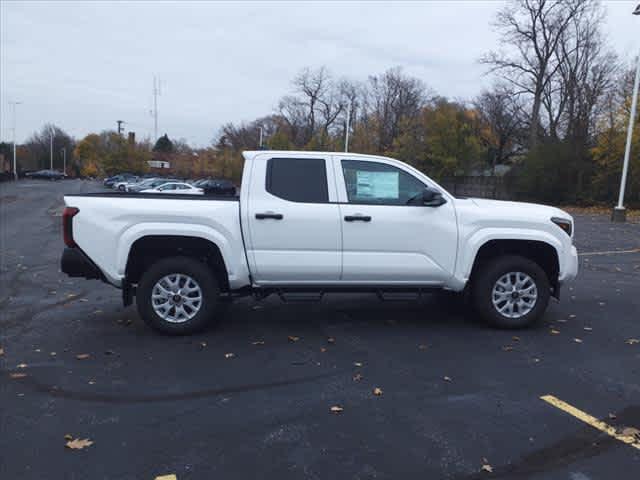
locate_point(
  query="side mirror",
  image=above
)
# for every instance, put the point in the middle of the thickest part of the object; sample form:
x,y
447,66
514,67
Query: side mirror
x,y
432,197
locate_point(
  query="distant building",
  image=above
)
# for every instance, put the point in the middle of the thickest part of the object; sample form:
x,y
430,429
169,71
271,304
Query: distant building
x,y
158,164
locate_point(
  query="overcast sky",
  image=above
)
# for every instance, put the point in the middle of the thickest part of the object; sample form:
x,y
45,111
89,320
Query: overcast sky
x,y
84,65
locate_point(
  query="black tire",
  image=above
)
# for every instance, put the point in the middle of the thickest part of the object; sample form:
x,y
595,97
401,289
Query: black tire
x,y
204,278
121,188
487,276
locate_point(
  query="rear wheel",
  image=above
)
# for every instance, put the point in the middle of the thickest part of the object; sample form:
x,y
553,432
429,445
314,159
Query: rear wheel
x,y
177,296
510,291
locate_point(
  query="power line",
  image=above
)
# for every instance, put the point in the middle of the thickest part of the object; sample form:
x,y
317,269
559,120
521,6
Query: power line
x,y
120,129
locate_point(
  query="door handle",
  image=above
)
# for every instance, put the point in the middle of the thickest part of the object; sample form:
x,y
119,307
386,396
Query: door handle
x,y
271,215
357,218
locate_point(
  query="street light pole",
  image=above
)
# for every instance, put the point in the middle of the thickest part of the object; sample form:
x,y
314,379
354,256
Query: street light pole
x,y
51,147
346,137
260,128
15,168
619,212
64,160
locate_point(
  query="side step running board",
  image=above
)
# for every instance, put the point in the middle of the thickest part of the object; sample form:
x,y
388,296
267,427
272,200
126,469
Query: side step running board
x,y
398,296
290,297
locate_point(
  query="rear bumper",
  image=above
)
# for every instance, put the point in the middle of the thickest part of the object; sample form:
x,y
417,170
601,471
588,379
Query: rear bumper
x,y
75,263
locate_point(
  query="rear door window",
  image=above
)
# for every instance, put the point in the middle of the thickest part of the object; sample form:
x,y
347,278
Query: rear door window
x,y
298,179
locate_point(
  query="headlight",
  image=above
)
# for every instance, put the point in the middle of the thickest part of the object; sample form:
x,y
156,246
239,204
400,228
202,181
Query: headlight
x,y
564,224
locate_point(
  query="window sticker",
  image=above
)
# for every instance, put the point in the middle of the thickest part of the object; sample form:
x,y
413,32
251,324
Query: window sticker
x,y
377,184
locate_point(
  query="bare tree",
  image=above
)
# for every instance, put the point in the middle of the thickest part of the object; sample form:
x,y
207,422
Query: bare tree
x,y
534,28
393,97
501,118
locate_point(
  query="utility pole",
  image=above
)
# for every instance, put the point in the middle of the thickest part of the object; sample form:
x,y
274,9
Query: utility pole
x,y
51,146
619,213
346,137
15,169
64,160
260,128
120,130
156,92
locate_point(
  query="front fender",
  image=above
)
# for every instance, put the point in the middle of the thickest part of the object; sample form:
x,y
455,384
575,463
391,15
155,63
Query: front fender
x,y
470,246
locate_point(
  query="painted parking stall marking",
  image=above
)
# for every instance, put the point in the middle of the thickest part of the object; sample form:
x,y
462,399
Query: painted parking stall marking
x,y
630,439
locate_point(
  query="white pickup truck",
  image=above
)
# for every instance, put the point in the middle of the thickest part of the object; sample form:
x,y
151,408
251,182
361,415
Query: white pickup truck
x,y
307,223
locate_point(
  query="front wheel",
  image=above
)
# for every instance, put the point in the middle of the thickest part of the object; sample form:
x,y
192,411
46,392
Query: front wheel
x,y
177,296
510,291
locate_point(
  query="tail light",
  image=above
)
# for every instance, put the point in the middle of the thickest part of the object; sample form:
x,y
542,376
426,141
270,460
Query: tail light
x,y
67,225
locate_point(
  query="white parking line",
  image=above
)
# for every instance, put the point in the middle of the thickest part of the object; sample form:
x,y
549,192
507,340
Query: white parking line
x,y
610,252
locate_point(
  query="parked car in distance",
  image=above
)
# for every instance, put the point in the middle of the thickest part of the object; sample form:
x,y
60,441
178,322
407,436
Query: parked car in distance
x,y
121,185
175,188
121,177
47,174
147,184
307,223
212,186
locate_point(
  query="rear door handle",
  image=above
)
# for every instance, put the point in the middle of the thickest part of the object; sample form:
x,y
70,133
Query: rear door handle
x,y
271,215
357,218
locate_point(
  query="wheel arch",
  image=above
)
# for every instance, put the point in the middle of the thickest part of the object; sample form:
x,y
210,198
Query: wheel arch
x,y
150,248
539,251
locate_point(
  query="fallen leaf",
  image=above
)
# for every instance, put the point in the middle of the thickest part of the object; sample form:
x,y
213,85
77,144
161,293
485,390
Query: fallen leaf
x,y
631,432
486,468
337,409
258,342
229,355
37,350
203,344
577,340
293,338
553,331
84,299
83,356
68,437
331,340
97,312
53,354
322,349
446,379
357,364
357,377
602,304
166,477
572,316
21,365
612,416
422,346
92,382
561,320
536,360
587,329
78,443
17,375
507,348
515,339
1,351
377,391
632,341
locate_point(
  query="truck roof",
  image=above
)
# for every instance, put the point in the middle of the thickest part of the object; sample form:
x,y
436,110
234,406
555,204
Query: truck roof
x,y
250,154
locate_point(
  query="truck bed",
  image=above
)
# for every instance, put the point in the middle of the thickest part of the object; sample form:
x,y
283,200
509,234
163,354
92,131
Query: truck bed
x,y
108,224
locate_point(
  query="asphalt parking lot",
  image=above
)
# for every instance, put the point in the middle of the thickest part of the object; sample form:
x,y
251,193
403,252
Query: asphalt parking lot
x,y
252,397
